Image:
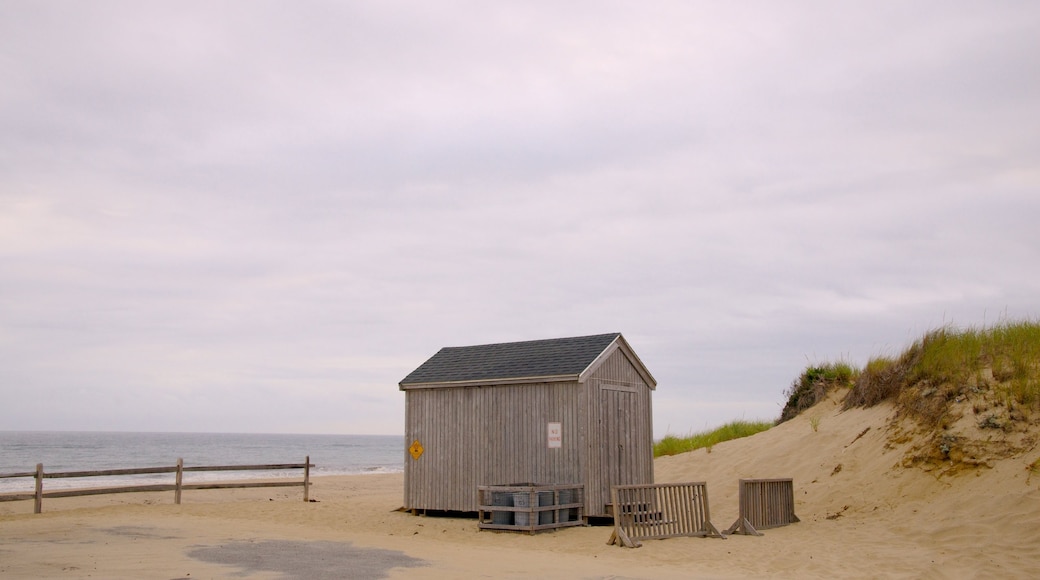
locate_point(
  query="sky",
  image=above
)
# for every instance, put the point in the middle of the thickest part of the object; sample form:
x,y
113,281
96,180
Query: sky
x,y
261,216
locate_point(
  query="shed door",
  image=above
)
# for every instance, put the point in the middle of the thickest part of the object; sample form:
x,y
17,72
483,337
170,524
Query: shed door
x,y
615,430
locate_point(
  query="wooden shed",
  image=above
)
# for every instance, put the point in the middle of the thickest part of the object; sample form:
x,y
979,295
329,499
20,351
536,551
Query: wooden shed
x,y
557,411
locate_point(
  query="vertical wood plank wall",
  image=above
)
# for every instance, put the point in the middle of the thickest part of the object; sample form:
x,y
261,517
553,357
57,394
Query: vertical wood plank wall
x,y
496,435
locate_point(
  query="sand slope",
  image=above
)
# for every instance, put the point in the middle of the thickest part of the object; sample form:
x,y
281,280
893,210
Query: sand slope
x,y
863,513
872,518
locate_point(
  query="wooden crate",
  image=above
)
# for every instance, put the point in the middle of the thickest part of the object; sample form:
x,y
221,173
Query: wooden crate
x,y
530,507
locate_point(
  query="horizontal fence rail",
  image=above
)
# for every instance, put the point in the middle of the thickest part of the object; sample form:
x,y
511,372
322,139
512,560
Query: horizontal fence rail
x,y
663,510
764,503
176,487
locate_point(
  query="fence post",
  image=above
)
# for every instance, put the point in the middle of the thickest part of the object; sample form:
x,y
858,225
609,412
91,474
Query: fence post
x,y
38,504
180,474
306,478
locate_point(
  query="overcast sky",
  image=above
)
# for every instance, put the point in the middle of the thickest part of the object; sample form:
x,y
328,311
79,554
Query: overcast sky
x,y
260,216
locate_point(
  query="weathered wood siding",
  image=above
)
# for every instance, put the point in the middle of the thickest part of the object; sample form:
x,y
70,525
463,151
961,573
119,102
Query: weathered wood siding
x,y
663,510
492,435
619,424
497,435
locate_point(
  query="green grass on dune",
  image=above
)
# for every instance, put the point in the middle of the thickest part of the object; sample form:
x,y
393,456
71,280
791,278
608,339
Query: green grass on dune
x,y
814,383
998,363
950,363
673,444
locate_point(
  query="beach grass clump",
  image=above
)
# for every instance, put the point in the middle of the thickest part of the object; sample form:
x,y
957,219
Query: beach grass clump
x,y
881,379
948,364
673,444
814,383
814,423
1017,362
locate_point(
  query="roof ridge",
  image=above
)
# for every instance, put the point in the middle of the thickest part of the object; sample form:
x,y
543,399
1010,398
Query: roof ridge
x,y
519,342
541,358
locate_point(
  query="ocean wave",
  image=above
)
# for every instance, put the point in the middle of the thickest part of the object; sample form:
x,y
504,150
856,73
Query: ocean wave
x,y
67,451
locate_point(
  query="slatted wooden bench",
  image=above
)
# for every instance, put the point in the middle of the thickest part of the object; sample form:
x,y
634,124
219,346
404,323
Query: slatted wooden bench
x,y
663,510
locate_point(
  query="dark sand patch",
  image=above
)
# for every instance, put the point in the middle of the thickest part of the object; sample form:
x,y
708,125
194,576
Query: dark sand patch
x,y
317,560
135,532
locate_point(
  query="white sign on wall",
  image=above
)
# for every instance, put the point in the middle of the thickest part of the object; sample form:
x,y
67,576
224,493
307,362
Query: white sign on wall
x,y
555,435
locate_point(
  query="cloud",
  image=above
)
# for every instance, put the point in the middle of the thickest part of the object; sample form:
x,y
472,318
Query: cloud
x,y
251,217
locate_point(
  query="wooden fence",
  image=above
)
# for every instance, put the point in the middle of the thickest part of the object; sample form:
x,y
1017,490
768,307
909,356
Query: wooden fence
x,y
663,510
764,503
175,487
530,508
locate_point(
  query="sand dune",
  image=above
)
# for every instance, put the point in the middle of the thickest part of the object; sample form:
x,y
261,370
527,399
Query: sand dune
x,y
863,515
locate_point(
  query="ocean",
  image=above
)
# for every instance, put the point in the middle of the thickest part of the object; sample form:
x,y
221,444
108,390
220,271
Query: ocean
x,y
58,451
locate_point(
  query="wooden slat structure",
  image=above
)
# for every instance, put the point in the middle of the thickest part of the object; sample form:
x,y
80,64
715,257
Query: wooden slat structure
x,y
175,487
530,508
557,411
764,503
664,510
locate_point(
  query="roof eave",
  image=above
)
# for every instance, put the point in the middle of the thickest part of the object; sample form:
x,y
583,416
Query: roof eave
x,y
490,382
622,344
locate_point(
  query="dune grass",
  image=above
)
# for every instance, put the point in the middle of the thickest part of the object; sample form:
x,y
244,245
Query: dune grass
x,y
815,382
948,363
673,444
945,365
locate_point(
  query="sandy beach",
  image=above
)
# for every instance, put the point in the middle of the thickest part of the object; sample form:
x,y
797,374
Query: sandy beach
x,y
863,515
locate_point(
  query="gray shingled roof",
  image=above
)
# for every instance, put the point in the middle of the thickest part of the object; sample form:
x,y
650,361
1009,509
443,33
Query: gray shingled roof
x,y
511,360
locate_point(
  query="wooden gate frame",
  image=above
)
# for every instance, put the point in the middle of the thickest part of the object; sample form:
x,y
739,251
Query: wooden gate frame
x,y
764,503
662,510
